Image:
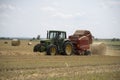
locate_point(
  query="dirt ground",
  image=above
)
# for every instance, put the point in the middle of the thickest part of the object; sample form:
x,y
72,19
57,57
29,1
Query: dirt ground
x,y
37,67
21,63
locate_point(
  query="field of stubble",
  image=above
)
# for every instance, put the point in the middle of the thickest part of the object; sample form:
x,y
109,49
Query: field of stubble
x,y
21,63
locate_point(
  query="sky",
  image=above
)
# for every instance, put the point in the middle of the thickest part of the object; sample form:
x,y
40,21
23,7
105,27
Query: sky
x,y
29,18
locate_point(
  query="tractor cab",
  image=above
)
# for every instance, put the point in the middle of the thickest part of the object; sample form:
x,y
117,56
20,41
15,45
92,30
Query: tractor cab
x,y
56,35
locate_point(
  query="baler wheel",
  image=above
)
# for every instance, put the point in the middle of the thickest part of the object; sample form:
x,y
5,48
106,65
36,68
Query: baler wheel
x,y
87,53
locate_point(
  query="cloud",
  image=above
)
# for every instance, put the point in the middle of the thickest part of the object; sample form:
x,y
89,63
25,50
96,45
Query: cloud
x,y
68,16
114,3
57,13
55,3
62,15
7,10
7,6
48,8
110,3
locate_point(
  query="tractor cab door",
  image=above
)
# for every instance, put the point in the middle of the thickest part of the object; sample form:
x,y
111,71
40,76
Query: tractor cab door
x,y
57,38
60,40
53,36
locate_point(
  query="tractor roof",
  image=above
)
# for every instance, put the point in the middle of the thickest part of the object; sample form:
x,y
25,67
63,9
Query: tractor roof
x,y
56,31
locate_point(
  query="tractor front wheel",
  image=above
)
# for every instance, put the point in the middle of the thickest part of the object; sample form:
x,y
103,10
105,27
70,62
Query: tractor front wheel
x,y
68,48
51,50
37,48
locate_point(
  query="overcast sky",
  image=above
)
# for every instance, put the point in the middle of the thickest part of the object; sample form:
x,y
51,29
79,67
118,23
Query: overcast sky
x,y
29,18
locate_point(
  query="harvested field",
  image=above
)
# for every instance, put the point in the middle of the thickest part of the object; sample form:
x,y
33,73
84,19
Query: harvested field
x,y
22,49
59,67
21,63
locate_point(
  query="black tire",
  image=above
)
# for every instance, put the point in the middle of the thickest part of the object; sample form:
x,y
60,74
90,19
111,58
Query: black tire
x,y
68,48
87,53
37,48
51,50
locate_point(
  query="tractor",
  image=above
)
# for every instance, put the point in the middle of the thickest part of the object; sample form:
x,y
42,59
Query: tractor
x,y
56,43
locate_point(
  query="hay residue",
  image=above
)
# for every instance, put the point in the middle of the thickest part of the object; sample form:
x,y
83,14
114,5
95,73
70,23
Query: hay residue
x,y
98,49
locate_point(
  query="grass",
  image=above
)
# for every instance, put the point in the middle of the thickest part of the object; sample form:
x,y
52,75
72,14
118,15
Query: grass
x,y
35,66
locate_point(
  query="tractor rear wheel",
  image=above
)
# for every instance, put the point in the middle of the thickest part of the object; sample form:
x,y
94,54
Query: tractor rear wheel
x,y
68,48
51,50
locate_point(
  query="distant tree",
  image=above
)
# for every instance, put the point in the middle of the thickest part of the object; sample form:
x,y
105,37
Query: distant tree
x,y
96,39
5,38
113,39
117,39
38,37
33,38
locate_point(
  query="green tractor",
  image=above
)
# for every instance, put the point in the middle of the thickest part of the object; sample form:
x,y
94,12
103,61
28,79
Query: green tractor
x,y
56,43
